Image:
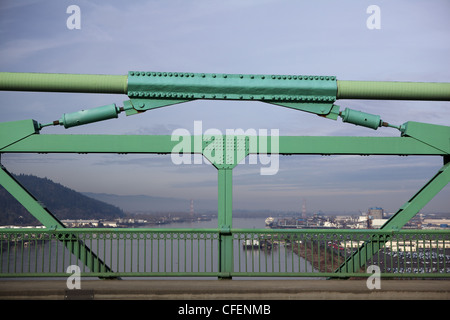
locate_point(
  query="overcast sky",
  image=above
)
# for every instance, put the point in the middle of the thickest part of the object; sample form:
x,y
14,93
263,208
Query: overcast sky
x,y
238,36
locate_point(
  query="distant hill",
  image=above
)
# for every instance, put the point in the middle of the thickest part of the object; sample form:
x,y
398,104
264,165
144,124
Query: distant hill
x,y
63,202
149,204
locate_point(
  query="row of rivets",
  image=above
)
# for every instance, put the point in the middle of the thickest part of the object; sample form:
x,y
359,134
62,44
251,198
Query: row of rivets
x,y
192,75
143,94
162,74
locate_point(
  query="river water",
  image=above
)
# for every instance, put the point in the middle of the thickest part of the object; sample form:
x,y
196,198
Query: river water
x,y
280,259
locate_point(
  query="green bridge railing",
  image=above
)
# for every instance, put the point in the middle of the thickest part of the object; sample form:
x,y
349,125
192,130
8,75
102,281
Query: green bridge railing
x,y
195,253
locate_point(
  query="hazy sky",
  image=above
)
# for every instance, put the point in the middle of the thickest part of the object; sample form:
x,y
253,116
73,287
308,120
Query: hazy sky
x,y
241,36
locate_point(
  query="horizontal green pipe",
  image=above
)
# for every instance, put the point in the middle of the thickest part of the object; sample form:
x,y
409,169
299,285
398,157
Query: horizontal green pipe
x,y
58,82
390,90
118,84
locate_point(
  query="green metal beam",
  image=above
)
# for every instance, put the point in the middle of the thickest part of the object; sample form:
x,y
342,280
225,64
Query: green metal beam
x,y
49,143
224,221
11,132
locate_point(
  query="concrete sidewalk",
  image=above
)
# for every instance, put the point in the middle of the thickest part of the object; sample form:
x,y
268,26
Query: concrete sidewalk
x,y
225,290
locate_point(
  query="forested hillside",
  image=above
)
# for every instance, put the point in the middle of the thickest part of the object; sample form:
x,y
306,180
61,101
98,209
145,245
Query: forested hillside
x,y
63,202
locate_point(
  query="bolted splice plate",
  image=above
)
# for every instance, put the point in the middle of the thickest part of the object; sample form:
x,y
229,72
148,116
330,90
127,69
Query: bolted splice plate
x,y
268,88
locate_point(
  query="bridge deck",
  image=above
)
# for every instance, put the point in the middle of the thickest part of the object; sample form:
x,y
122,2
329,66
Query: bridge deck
x,y
225,289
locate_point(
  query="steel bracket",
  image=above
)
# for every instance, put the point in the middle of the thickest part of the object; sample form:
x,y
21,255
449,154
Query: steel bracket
x,y
314,94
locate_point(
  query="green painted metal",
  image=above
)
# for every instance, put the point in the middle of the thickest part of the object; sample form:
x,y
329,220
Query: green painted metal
x,y
149,90
393,90
40,212
361,118
58,82
12,132
399,219
225,220
163,144
168,85
147,252
229,84
107,112
434,135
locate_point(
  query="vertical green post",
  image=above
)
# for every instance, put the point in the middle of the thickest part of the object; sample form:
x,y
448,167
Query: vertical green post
x,y
224,221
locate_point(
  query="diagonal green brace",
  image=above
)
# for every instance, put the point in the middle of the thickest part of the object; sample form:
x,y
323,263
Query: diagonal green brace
x,y
75,246
359,258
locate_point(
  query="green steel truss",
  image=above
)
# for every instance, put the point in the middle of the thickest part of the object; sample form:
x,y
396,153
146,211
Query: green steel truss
x,y
149,90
